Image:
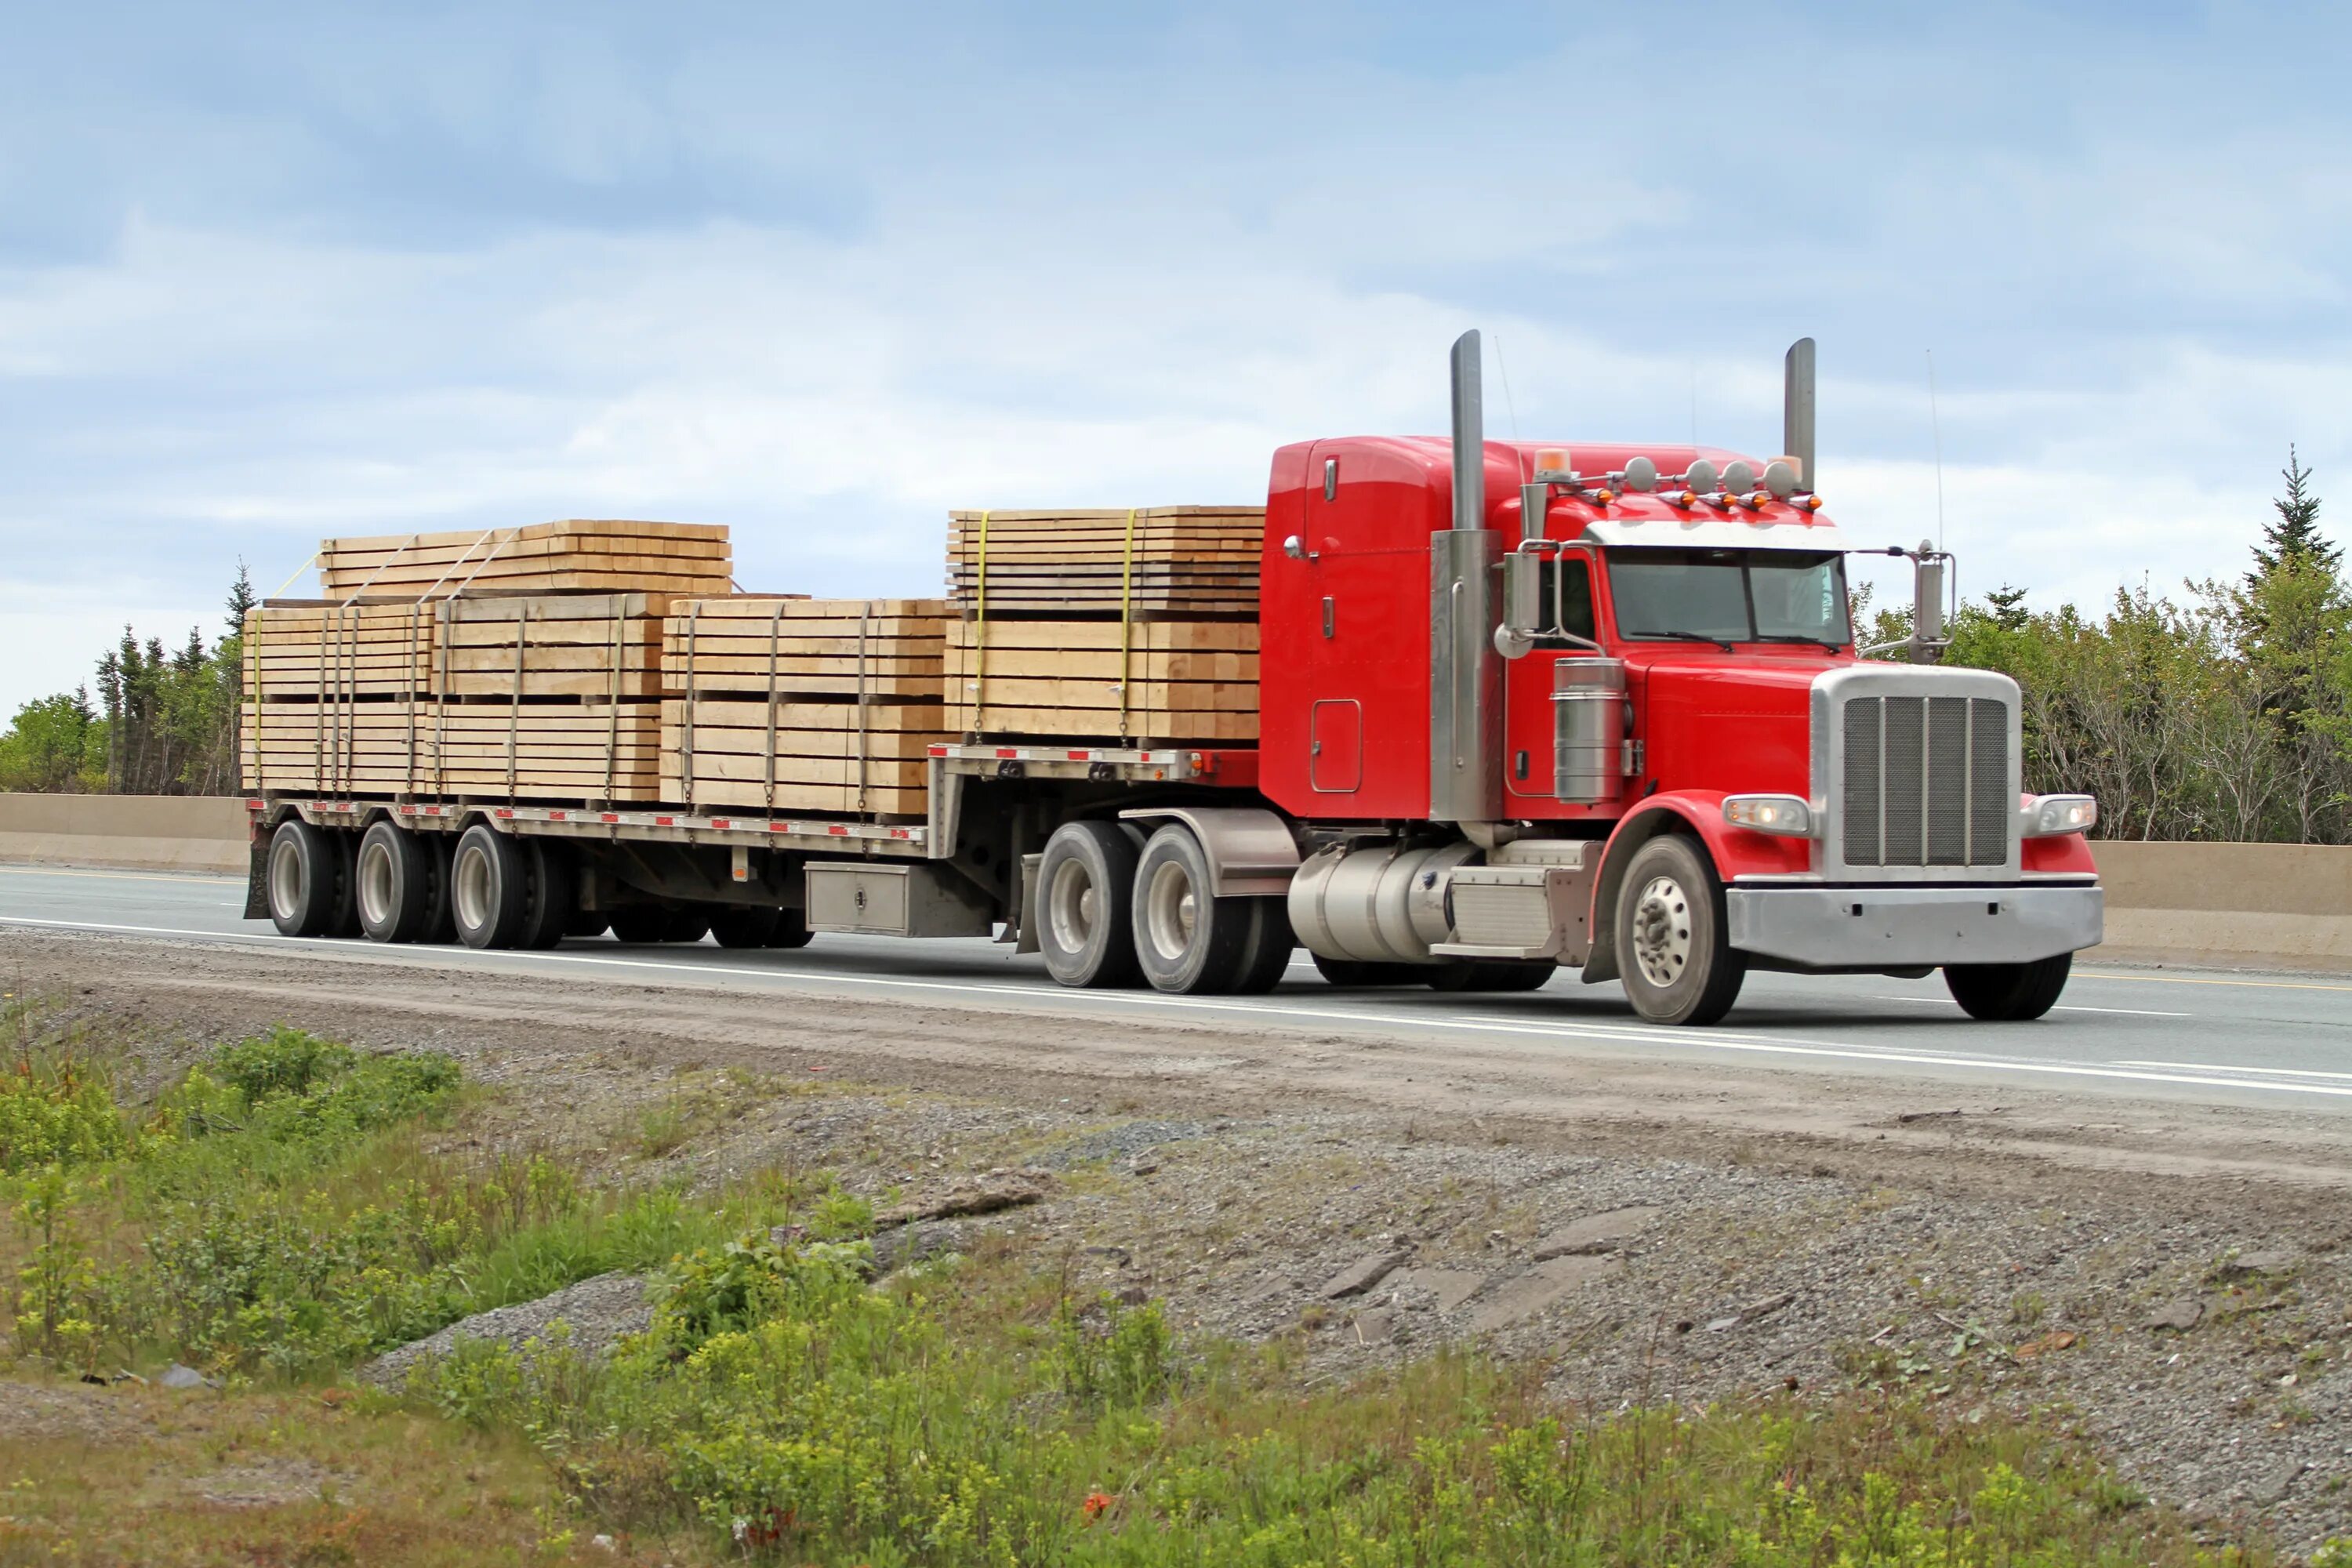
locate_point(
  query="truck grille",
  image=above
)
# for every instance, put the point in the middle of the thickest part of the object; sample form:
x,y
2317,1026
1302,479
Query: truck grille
x,y
1926,782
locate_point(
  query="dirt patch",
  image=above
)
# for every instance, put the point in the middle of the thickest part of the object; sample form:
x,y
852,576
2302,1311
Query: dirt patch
x,y
1648,1231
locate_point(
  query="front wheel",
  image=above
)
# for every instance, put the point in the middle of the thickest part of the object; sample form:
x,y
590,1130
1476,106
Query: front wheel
x,y
2008,993
1672,946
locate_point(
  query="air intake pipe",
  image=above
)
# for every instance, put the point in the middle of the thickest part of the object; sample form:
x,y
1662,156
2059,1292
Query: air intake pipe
x,y
1465,761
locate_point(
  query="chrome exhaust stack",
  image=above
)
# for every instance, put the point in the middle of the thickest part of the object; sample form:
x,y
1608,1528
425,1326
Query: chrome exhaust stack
x,y
1466,763
1797,412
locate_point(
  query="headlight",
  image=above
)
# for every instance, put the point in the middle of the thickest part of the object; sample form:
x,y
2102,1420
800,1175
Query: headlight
x,y
1782,813
2047,816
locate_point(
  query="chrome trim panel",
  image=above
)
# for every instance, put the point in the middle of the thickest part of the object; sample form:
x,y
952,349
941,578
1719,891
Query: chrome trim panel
x,y
1907,830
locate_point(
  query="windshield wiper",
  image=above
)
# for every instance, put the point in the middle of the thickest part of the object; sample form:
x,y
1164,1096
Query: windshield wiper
x,y
1798,637
1688,637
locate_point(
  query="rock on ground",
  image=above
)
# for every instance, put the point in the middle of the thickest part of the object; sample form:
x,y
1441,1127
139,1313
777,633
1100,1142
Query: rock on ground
x,y
598,1312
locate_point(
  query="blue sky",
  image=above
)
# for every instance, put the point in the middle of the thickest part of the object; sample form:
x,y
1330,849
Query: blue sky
x,y
271,272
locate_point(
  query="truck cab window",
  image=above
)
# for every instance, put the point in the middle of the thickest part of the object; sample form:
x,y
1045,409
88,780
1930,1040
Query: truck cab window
x,y
1730,596
1576,607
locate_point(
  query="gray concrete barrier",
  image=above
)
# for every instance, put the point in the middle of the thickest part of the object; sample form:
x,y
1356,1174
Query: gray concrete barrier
x,y
2273,906
140,832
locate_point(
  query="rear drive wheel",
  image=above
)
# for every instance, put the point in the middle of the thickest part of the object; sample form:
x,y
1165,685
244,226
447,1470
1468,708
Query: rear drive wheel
x,y
2008,993
746,925
1188,939
1671,944
489,888
553,896
310,881
1085,909
1267,952
396,883
1354,972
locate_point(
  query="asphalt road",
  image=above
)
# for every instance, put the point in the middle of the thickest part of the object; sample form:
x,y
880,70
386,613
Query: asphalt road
x,y
2216,1038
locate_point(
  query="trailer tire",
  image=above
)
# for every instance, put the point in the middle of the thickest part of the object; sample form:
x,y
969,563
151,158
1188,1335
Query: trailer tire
x,y
489,888
1271,943
687,923
553,894
441,922
587,923
1495,975
310,880
792,929
1355,974
1189,941
746,925
1085,909
2008,993
1673,940
396,883
638,924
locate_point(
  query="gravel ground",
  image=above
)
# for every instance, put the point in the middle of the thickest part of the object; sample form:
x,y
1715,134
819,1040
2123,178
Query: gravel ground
x,y
2175,1281
598,1312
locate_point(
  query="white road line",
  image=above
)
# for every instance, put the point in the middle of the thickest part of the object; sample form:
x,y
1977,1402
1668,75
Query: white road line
x,y
1755,1045
199,880
2115,1012
2275,1072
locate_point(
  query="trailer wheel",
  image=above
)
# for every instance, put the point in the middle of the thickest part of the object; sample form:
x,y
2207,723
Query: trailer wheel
x,y
1189,941
746,925
310,884
792,929
440,926
687,923
1491,974
1679,965
1267,952
1086,911
1356,973
396,881
2008,993
640,923
553,894
587,923
489,888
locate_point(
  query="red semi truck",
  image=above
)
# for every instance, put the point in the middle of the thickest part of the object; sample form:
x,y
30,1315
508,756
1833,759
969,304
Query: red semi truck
x,y
1522,707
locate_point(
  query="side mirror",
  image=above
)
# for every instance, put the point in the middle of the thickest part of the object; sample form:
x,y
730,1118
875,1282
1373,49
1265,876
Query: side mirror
x,y
1929,638
1523,607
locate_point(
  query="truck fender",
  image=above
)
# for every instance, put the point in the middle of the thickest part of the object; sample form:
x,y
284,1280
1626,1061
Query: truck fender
x,y
1699,814
1251,851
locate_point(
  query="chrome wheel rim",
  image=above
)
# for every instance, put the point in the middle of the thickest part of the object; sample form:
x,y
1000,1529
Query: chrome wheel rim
x,y
1662,931
375,878
1072,905
285,878
472,887
1172,911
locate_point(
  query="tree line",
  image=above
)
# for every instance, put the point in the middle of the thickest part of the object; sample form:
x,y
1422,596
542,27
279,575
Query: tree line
x,y
2226,714
156,720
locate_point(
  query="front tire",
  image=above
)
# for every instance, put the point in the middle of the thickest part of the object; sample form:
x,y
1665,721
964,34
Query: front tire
x,y
310,880
397,884
489,888
2008,993
1188,940
1673,945
1085,907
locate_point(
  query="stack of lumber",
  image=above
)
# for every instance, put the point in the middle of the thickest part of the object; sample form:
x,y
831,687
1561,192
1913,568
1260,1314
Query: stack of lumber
x,y
579,556
298,649
793,705
1154,563
1105,625
600,645
555,752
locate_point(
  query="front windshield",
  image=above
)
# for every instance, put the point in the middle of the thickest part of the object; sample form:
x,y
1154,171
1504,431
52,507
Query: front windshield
x,y
1730,596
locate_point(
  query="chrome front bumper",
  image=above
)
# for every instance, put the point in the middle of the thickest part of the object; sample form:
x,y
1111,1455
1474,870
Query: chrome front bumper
x,y
1904,928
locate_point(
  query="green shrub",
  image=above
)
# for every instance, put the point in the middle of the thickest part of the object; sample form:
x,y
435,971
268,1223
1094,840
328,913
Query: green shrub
x,y
58,1110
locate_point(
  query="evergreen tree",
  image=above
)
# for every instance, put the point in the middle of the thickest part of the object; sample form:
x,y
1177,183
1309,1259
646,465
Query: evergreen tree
x,y
2006,606
2294,538
241,598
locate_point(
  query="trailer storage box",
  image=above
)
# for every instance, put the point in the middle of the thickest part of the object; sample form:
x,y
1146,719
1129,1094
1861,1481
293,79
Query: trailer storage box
x,y
915,900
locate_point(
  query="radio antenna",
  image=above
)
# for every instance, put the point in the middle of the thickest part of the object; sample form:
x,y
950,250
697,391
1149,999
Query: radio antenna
x,y
1508,406
1936,428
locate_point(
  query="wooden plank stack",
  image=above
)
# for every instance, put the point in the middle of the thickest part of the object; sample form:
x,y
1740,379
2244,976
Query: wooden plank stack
x,y
296,649
605,646
1162,563
576,556
803,705
1110,626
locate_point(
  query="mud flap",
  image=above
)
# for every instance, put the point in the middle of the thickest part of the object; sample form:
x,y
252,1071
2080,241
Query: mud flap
x,y
256,875
1024,934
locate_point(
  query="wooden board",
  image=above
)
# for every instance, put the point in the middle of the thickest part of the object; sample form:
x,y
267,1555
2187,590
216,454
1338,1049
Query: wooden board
x,y
885,648
568,750
1155,563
